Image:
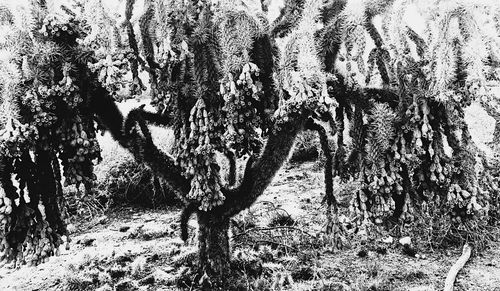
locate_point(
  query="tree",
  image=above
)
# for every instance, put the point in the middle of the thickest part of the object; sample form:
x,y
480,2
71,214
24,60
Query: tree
x,y
218,78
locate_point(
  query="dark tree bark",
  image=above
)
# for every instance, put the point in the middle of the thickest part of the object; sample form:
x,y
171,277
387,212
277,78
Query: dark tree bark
x,y
231,158
214,252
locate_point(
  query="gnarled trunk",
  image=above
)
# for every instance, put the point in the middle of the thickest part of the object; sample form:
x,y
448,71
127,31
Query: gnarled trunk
x,y
214,250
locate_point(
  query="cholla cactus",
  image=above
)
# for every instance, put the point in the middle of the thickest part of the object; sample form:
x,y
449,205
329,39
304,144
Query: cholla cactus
x,y
47,121
217,79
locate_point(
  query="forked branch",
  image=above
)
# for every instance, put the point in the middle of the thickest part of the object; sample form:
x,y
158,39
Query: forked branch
x,y
260,173
133,134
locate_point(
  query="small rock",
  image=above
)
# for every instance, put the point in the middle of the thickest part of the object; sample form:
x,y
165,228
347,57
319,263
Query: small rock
x,y
177,242
422,288
116,272
86,241
105,287
125,285
344,219
153,258
102,219
405,240
363,234
332,285
138,265
124,228
362,253
388,240
104,277
163,277
123,258
168,269
148,280
408,250
71,228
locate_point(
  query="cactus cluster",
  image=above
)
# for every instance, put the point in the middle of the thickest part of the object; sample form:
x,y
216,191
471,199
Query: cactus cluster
x,y
78,149
37,245
241,121
405,164
60,29
306,97
111,70
27,235
197,155
15,137
52,125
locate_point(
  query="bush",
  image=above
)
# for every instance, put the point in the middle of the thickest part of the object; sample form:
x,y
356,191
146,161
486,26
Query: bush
x,y
281,219
307,147
122,180
132,183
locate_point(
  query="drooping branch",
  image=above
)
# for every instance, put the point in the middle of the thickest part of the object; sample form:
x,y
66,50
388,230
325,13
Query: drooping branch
x,y
231,158
323,137
158,161
138,140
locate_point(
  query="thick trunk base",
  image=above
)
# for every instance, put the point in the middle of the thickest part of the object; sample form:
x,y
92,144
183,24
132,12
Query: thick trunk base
x,y
214,252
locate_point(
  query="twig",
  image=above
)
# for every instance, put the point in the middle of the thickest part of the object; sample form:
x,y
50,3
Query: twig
x,y
459,264
271,228
270,242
